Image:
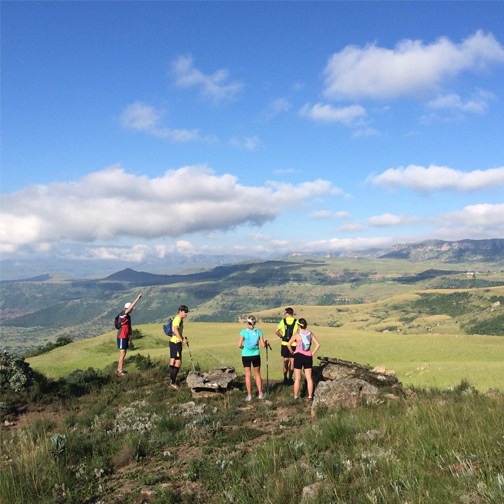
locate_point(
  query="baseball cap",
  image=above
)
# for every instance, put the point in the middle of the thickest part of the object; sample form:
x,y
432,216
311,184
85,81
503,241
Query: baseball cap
x,y
127,305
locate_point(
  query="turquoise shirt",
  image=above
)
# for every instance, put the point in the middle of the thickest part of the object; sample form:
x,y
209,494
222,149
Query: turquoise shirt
x,y
250,341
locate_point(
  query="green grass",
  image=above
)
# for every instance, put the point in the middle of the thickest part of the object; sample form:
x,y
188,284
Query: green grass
x,y
427,360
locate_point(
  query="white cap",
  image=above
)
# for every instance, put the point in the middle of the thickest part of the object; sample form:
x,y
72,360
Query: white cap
x,y
127,305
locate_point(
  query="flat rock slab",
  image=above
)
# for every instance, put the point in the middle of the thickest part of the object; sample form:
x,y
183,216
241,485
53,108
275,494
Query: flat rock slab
x,y
218,380
337,369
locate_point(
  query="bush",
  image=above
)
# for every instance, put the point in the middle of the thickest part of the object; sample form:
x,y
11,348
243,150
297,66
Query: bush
x,y
15,373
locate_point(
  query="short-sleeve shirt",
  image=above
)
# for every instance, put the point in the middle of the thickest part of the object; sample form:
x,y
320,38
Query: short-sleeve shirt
x,y
179,323
281,326
251,337
125,330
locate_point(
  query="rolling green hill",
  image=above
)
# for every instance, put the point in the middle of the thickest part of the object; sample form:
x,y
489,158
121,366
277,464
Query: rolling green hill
x,y
34,313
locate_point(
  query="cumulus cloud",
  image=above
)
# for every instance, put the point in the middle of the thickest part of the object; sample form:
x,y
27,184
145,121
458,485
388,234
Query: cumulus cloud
x,y
142,117
434,177
388,220
110,204
327,214
351,116
411,68
352,227
215,86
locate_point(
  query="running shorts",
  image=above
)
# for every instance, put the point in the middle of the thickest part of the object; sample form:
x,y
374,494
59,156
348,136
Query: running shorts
x,y
285,352
255,360
303,361
176,350
123,343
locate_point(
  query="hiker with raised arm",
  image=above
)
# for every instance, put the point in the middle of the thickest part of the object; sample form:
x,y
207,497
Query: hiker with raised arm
x,y
303,357
123,326
251,356
286,328
176,342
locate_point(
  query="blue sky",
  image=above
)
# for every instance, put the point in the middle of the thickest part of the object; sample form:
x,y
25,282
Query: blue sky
x,y
136,129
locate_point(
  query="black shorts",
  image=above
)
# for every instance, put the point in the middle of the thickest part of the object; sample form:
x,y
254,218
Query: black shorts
x,y
255,360
285,352
302,361
176,350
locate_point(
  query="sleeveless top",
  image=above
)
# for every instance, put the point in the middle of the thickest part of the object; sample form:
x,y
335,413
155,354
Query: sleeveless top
x,y
303,346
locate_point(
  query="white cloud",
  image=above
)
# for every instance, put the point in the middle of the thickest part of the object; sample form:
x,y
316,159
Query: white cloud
x,y
111,204
411,68
477,222
388,220
277,107
246,143
352,227
327,214
351,116
320,214
285,171
342,215
142,117
478,105
214,86
433,178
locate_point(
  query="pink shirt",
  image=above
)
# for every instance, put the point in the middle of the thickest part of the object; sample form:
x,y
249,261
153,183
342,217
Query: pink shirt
x,y
299,344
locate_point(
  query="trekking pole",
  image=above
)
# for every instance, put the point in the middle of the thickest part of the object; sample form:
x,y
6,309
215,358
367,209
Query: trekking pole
x,y
192,362
267,368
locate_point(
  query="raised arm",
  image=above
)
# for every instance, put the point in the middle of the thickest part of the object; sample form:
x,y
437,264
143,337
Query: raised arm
x,y
132,305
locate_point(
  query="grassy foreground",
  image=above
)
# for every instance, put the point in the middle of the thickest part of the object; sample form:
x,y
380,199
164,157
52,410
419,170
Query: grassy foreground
x,y
427,360
96,438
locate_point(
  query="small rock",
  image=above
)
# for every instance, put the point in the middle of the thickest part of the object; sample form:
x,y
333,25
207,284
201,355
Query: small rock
x,y
310,492
379,369
370,435
187,405
409,394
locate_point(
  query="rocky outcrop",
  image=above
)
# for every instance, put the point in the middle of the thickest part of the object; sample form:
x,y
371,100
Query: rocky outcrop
x,y
347,384
216,381
347,393
338,369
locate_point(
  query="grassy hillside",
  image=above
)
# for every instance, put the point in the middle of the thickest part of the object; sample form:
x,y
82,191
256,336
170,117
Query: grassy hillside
x,y
393,293
433,360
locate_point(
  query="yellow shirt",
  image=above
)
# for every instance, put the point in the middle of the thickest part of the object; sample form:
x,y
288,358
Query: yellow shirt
x,y
281,326
178,323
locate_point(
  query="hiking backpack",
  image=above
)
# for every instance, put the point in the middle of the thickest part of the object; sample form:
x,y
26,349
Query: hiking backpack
x,y
168,329
305,340
289,329
117,320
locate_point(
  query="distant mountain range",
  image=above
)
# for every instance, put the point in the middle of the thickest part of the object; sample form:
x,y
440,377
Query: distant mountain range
x,y
429,250
449,251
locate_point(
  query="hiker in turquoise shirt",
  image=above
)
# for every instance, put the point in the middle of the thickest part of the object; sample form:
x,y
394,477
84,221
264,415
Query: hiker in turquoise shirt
x,y
249,343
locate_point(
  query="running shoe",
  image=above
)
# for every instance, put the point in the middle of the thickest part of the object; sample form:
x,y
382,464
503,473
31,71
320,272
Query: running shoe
x,y
120,372
174,386
248,398
309,399
261,396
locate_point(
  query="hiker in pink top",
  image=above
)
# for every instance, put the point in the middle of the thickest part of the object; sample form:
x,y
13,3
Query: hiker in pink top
x,y
303,357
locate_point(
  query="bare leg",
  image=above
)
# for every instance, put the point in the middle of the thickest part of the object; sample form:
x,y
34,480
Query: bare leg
x,y
309,381
291,367
258,380
297,381
286,367
248,380
122,354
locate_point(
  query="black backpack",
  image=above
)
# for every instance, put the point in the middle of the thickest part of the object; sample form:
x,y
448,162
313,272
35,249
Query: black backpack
x,y
289,329
117,320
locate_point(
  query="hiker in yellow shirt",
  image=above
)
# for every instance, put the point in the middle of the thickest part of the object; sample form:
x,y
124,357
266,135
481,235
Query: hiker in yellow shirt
x,y
286,328
176,342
